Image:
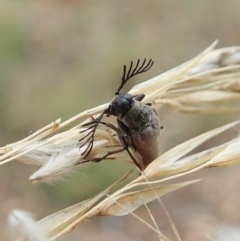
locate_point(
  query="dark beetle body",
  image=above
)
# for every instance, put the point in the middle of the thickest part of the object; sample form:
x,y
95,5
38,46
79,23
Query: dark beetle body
x,y
138,124
143,131
146,140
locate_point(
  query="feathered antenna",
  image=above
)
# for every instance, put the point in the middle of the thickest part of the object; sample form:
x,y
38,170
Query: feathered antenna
x,y
93,125
137,70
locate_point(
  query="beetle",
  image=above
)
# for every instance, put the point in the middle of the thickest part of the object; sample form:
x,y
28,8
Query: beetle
x,y
138,125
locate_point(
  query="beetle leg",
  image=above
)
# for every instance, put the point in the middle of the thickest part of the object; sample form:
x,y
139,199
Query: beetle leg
x,y
108,154
118,131
139,97
134,160
122,133
125,131
123,128
123,139
149,104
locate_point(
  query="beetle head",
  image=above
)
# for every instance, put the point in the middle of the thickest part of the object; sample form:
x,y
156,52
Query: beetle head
x,y
120,104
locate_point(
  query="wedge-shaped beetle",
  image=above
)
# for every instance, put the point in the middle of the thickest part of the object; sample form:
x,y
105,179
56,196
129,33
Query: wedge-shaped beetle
x,y
138,124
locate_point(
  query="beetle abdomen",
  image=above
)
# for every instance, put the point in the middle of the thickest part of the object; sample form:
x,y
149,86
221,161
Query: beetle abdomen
x,y
147,140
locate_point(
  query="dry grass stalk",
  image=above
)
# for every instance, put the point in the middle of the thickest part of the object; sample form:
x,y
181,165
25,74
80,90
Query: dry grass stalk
x,y
208,83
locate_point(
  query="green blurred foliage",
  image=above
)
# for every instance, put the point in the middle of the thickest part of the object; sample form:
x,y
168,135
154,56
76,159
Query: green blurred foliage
x,y
58,58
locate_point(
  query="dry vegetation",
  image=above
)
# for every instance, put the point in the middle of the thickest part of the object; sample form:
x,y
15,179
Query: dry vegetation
x,y
209,83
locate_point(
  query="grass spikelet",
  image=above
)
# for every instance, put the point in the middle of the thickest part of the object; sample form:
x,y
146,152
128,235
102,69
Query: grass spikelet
x,y
179,88
168,159
209,83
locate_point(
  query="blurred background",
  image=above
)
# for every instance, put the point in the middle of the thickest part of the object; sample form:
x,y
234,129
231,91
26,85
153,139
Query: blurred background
x,y
58,58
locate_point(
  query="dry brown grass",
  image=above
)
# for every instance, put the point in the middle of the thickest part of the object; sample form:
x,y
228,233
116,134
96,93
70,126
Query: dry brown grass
x,y
209,83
